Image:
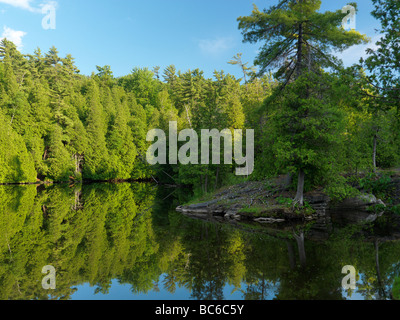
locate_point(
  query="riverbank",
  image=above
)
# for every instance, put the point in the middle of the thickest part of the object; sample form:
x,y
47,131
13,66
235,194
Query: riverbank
x,y
270,202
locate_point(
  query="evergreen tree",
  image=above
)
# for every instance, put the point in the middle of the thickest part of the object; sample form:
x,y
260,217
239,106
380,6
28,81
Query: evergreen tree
x,y
298,40
16,164
247,71
120,140
60,164
97,164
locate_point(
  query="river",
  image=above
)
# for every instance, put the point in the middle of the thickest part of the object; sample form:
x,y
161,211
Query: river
x,y
126,242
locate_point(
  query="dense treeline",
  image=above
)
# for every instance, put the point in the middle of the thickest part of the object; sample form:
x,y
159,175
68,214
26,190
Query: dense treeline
x,y
314,120
57,124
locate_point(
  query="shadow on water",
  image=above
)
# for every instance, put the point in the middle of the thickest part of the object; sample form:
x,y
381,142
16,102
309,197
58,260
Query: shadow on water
x,y
111,236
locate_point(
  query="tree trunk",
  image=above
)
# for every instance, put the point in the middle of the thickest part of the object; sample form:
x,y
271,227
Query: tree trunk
x,y
188,117
299,52
45,153
378,271
300,189
300,184
302,250
381,289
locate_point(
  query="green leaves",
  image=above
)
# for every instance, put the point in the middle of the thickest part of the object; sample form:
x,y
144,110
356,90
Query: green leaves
x,y
384,62
295,33
60,166
16,164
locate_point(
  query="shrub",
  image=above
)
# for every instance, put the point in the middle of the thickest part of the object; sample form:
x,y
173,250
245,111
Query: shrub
x,y
375,184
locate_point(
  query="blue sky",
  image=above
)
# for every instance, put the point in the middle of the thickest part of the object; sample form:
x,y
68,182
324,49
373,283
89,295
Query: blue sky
x,y
130,33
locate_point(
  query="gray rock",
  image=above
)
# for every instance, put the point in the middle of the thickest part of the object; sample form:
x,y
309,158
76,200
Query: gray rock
x,y
361,202
355,210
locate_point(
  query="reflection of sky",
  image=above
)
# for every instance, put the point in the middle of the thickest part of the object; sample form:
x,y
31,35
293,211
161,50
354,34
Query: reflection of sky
x,y
123,292
354,296
357,293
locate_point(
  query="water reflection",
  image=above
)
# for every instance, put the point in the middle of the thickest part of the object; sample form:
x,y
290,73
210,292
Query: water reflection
x,y
125,241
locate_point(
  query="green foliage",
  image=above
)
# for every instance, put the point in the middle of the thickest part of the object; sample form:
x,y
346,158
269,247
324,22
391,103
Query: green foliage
x,y
56,124
305,124
396,289
64,125
284,201
306,209
395,209
59,162
16,164
376,184
294,30
308,117
339,188
100,234
256,211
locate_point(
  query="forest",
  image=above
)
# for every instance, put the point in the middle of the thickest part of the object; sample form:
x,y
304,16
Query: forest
x,y
316,121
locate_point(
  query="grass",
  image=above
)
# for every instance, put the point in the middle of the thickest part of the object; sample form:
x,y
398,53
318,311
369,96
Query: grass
x,y
203,198
254,210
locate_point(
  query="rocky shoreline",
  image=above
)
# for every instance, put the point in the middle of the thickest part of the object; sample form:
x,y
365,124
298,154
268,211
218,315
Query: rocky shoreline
x,y
260,203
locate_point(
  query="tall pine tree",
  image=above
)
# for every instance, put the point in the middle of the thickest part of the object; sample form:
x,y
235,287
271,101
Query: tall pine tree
x,y
297,40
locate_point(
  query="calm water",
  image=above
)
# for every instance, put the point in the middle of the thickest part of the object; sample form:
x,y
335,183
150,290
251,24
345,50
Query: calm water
x,y
125,241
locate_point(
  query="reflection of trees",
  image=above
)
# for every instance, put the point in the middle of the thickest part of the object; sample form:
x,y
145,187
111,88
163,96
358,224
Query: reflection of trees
x,y
130,232
258,290
92,243
300,245
380,270
207,271
380,288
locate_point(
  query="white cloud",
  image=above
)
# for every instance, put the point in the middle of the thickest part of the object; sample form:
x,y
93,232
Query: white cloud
x,y
13,36
216,46
26,4
353,54
23,4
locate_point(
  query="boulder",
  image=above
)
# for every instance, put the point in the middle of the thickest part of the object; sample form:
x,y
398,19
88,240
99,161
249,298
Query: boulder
x,y
355,210
361,202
